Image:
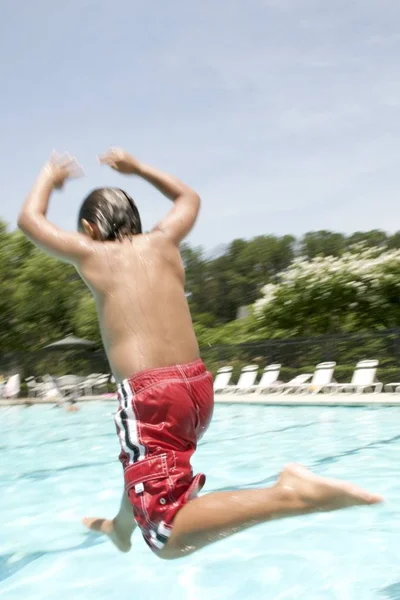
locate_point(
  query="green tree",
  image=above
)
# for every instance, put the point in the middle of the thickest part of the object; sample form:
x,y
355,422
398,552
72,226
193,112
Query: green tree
x,y
322,243
196,278
84,319
235,278
7,285
46,296
371,239
393,241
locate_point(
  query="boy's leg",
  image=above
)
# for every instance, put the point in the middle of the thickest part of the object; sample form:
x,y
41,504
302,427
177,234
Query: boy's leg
x,y
119,529
209,518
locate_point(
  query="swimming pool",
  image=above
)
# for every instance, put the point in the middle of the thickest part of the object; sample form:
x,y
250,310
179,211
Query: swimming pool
x,y
57,467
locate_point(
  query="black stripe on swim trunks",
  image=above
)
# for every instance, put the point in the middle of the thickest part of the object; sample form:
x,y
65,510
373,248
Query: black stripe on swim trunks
x,y
162,538
124,395
125,424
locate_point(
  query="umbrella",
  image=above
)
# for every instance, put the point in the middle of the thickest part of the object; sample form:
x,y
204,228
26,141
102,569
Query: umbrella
x,y
71,341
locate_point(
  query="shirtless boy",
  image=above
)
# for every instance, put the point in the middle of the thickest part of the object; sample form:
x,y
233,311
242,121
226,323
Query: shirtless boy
x,y
165,392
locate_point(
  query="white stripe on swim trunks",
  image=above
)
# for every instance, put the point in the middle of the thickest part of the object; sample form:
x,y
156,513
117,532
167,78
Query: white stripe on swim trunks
x,y
155,541
130,437
118,421
163,529
132,423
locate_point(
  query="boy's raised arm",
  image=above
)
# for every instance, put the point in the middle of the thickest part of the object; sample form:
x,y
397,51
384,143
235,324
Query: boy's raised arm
x,y
66,246
181,218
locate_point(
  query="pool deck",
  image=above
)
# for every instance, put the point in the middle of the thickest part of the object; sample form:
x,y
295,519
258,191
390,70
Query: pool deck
x,y
344,399
384,399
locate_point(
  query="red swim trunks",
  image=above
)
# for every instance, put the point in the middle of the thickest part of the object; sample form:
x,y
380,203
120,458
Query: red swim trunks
x,y
162,414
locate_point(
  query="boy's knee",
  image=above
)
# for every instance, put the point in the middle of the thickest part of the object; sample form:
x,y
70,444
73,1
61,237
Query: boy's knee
x,y
166,554
172,552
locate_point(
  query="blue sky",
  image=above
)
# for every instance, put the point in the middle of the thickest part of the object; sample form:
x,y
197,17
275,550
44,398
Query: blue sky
x,y
283,114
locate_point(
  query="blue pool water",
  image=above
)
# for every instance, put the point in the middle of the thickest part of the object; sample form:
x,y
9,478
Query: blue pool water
x,y
57,467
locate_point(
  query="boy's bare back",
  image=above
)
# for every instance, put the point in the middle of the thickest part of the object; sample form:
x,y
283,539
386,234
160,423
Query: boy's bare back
x,y
137,279
144,317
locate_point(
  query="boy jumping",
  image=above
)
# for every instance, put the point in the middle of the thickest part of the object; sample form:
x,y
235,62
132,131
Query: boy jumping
x,y
165,392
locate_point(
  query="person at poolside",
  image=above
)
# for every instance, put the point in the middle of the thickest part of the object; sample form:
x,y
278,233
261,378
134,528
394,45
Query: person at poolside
x,y
72,406
165,392
67,405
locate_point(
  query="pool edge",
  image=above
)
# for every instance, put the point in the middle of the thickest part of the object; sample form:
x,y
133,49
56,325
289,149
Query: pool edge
x,y
351,400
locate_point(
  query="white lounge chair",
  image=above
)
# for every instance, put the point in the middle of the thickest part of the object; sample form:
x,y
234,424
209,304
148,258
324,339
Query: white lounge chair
x,y
12,387
392,388
322,380
50,390
68,384
293,384
222,378
101,382
364,378
88,384
268,381
35,388
247,378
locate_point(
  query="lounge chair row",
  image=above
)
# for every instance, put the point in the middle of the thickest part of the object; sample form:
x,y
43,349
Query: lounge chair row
x,y
68,385
322,380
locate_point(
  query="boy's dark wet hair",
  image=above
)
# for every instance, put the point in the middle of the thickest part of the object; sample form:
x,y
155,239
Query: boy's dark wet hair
x,y
113,211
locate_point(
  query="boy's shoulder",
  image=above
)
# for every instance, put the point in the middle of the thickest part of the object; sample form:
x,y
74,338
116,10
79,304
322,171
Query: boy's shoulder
x,y
143,243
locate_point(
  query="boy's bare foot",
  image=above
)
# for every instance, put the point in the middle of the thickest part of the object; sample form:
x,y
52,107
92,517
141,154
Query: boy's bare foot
x,y
321,493
120,536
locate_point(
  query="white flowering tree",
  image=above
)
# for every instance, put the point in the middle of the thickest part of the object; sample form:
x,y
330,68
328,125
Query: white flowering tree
x,y
358,291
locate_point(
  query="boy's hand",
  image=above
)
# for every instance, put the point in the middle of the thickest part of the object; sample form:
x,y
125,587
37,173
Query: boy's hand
x,y
60,168
120,161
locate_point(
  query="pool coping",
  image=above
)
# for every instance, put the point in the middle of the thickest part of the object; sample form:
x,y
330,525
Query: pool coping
x,y
344,399
382,399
